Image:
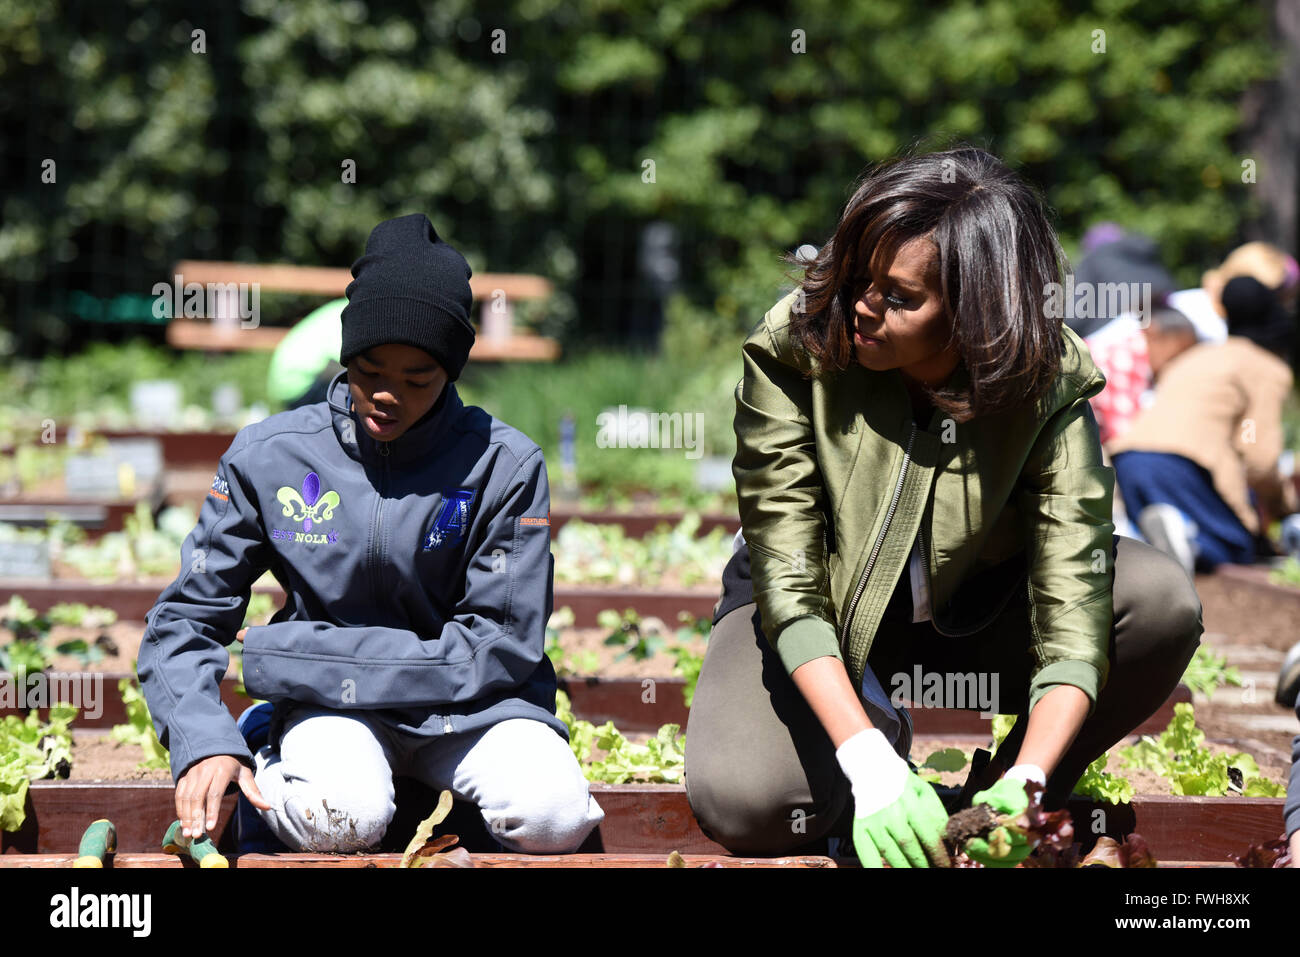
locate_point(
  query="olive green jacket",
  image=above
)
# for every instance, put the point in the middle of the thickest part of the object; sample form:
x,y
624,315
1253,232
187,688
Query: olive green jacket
x,y
836,482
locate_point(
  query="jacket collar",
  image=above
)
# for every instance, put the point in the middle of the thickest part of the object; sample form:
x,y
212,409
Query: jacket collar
x,y
958,379
418,442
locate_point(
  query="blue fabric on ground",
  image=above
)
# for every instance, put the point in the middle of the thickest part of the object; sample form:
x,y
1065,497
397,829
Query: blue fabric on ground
x,y
1148,478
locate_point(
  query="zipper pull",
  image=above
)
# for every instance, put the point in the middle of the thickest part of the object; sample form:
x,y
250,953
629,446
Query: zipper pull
x,y
384,449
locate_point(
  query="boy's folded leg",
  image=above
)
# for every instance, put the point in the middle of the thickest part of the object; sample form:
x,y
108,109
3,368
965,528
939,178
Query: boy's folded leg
x,y
330,785
524,779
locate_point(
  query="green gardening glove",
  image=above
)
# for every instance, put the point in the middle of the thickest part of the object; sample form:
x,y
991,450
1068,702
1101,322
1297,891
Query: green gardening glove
x,y
897,816
1004,847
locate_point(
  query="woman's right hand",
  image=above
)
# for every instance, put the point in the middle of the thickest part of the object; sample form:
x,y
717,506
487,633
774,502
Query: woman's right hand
x,y
896,815
200,789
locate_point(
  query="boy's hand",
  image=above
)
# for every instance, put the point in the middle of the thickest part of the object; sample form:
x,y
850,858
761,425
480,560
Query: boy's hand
x,y
200,789
239,635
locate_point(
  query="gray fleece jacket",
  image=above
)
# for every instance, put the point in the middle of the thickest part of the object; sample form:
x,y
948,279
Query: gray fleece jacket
x,y
418,574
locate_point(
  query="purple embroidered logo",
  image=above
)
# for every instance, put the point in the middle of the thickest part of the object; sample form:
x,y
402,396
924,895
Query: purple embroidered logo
x,y
310,506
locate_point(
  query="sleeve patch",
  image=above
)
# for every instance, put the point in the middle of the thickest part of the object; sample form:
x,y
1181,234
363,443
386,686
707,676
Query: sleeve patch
x,y
220,488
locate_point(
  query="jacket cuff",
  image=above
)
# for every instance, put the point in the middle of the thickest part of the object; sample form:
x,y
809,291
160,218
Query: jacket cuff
x,y
1076,672
236,747
804,639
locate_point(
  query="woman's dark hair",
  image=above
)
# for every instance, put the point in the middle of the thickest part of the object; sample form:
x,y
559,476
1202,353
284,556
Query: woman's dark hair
x,y
997,253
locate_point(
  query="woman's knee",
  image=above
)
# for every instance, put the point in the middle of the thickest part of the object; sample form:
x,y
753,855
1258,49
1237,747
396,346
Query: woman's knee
x,y
761,775
755,814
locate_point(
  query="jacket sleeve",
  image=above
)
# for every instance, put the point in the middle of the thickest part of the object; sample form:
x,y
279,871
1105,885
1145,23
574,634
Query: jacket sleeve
x,y
493,641
1066,495
183,653
781,497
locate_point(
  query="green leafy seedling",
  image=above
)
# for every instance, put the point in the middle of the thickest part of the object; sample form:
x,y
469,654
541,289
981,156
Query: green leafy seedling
x,y
139,729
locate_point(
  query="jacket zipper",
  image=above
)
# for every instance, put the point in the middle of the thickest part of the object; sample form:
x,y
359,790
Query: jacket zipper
x,y
875,549
384,452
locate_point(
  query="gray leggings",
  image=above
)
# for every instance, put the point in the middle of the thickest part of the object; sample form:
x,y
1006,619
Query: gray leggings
x,y
761,773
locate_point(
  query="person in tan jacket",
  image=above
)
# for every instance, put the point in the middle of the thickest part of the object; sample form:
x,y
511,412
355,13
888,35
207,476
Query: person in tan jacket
x,y
1200,463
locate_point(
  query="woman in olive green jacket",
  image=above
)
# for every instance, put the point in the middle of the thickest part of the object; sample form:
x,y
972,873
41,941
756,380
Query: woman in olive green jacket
x,y
925,517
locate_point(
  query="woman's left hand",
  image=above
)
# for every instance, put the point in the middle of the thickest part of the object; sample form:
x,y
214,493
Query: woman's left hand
x,y
1003,847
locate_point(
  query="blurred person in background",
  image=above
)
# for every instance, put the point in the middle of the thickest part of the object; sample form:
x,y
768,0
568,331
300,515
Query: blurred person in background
x,y
1110,256
1204,306
1200,467
307,358
1168,335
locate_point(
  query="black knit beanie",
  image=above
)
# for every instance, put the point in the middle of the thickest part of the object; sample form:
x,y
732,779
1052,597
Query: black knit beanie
x,y
413,288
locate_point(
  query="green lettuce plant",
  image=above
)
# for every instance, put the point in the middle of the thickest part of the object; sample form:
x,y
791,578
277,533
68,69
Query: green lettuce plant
x,y
31,749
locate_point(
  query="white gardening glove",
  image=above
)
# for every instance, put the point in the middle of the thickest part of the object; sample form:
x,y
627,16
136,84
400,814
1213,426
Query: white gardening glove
x,y
896,815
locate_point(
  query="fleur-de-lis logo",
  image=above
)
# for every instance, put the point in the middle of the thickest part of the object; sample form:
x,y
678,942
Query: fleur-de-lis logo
x,y
311,506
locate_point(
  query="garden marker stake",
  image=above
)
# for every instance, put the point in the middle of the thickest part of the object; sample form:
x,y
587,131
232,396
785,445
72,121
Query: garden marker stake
x,y
203,852
98,842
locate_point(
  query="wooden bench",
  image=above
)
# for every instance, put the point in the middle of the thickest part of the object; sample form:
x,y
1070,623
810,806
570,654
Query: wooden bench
x,y
497,340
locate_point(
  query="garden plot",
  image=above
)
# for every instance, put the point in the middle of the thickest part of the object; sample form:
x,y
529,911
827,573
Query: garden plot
x,y
1250,623
635,757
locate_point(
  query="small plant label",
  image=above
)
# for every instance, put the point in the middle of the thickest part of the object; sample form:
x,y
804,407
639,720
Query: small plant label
x,y
25,560
102,475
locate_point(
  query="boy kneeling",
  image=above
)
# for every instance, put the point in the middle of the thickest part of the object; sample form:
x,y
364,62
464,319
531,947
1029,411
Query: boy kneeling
x,y
411,535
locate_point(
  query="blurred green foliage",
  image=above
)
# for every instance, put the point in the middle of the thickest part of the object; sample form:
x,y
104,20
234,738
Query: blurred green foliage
x,y
530,157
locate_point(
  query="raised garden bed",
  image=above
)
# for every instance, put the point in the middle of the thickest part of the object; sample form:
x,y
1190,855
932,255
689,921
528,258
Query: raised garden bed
x,y
260,861
96,516
133,600
182,449
1144,782
639,819
594,699
637,525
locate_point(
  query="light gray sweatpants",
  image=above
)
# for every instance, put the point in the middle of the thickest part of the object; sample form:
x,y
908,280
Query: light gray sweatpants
x,y
330,786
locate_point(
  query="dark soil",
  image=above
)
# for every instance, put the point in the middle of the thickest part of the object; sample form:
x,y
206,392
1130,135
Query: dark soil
x,y
98,758
1253,626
